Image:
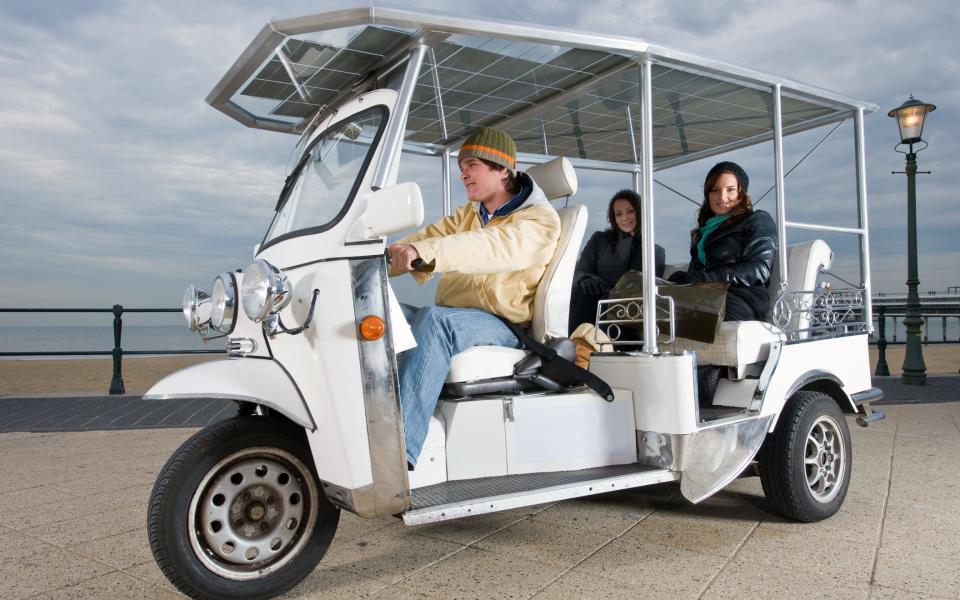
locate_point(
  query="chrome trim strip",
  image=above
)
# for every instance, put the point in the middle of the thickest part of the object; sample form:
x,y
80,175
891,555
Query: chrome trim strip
x,y
392,144
863,220
236,398
708,459
480,506
389,494
646,207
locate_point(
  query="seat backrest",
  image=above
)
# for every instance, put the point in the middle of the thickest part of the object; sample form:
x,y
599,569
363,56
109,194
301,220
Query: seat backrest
x,y
551,305
804,263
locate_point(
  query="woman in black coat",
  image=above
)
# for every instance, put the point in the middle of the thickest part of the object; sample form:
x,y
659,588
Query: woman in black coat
x,y
732,243
608,255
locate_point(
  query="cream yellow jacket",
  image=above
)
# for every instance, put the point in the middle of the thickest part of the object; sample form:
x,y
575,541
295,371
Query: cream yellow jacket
x,y
496,267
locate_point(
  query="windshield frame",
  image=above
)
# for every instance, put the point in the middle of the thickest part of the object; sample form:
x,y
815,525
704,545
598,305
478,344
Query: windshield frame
x,y
291,181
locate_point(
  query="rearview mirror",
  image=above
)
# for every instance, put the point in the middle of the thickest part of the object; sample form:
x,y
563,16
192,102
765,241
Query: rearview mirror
x,y
389,210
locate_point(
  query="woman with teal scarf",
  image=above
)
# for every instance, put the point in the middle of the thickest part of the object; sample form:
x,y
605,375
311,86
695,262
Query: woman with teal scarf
x,y
732,243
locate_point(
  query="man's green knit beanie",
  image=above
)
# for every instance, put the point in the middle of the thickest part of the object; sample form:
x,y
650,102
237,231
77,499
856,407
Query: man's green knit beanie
x,y
492,145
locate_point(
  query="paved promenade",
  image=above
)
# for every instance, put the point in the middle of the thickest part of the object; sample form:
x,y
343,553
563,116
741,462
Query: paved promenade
x,y
73,505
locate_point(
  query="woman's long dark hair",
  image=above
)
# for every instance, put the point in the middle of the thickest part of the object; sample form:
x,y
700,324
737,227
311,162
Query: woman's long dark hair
x,y
741,211
634,199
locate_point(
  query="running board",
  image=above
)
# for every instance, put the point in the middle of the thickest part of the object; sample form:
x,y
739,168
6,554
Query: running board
x,y
455,499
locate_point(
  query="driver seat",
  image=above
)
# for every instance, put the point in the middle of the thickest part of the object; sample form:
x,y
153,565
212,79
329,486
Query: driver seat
x,y
490,369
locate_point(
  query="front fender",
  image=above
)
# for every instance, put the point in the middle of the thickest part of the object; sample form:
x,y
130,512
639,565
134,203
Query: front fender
x,y
259,380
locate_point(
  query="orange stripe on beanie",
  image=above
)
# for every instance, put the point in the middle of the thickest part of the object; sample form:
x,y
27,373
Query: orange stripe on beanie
x,y
492,145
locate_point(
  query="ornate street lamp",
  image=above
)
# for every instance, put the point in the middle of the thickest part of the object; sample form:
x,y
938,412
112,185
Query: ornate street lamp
x,y
910,117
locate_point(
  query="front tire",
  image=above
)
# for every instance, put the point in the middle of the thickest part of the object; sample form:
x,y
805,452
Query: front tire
x,y
806,463
237,511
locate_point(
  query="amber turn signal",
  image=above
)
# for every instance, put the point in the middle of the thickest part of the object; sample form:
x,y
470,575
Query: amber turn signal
x,y
372,328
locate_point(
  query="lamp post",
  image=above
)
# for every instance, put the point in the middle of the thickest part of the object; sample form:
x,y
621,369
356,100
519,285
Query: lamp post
x,y
910,117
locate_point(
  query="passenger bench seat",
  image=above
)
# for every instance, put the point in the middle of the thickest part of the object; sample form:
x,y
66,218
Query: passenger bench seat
x,y
742,343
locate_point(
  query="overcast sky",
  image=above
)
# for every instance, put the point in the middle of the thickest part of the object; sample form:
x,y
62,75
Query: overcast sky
x,y
119,184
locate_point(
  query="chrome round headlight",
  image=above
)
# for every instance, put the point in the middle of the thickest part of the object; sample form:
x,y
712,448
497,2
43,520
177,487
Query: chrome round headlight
x,y
196,307
223,302
264,290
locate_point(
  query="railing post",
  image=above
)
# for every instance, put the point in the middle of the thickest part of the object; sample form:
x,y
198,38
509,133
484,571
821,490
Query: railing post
x,y
943,331
883,370
926,330
116,384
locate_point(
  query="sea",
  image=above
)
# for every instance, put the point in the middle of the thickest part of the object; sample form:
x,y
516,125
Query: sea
x,y
81,338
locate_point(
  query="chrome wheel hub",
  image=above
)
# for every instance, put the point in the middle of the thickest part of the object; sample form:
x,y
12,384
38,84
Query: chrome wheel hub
x,y
253,513
824,459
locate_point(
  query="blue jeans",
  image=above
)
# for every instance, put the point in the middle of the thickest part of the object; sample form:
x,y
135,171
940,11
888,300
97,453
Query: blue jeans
x,y
440,332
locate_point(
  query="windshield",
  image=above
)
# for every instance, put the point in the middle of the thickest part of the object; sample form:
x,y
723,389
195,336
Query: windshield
x,y
324,182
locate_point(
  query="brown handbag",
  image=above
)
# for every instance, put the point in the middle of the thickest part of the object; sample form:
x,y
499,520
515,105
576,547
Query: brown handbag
x,y
699,308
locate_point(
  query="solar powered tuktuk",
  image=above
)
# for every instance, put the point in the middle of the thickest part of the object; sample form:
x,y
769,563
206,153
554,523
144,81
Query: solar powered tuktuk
x,y
247,507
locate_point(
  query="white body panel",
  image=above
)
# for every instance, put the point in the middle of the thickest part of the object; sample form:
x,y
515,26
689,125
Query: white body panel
x,y
432,462
569,432
846,358
243,379
476,439
325,363
537,433
663,389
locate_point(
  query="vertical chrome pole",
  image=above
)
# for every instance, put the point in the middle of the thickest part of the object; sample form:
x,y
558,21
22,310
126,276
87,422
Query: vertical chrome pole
x,y
441,114
543,135
633,149
445,156
863,223
646,210
392,144
778,180
436,86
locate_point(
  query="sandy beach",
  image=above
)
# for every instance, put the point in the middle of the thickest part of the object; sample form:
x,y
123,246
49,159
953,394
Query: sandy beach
x,y
87,376
92,376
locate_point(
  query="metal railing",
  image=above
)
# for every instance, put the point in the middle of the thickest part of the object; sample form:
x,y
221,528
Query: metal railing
x,y
116,382
892,313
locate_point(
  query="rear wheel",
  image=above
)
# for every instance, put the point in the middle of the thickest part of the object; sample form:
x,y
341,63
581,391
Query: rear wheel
x,y
237,511
805,464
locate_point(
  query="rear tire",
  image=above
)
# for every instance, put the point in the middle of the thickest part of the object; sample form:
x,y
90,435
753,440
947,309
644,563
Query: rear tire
x,y
805,464
237,511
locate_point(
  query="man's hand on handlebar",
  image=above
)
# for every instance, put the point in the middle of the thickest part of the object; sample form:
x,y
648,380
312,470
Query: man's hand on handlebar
x,y
402,256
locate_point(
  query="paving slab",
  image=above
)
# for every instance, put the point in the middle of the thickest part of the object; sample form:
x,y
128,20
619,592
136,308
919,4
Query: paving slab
x,y
112,585
483,575
548,542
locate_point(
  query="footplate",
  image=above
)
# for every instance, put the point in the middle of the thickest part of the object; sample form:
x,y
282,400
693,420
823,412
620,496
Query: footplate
x,y
455,499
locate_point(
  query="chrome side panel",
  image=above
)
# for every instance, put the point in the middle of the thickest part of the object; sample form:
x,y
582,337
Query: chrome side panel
x,y
708,459
262,381
389,494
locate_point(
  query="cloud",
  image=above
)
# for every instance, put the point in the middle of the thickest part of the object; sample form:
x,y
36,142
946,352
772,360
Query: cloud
x,y
119,184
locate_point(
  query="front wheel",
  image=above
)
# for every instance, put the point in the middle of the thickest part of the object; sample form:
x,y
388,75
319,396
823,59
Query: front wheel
x,y
237,512
805,464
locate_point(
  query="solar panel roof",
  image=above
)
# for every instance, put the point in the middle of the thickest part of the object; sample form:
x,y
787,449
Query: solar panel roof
x,y
556,92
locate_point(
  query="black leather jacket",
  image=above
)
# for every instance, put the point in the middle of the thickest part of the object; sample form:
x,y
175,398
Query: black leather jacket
x,y
610,261
741,255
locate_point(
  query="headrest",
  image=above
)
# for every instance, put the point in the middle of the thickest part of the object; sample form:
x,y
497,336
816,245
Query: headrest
x,y
555,177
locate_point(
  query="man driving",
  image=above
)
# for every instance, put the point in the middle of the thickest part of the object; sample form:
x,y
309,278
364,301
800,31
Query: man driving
x,y
492,253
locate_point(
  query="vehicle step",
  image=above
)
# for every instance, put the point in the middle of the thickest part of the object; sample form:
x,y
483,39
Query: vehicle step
x,y
455,499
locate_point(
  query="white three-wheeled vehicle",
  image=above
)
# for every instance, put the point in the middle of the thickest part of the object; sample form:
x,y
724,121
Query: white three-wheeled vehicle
x,y
247,507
